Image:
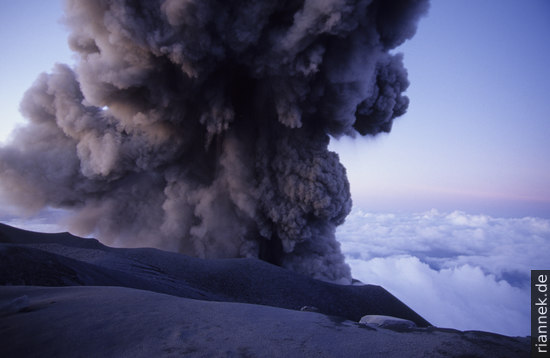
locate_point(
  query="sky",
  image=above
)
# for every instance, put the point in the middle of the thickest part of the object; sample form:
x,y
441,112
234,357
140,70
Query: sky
x,y
449,198
474,137
33,40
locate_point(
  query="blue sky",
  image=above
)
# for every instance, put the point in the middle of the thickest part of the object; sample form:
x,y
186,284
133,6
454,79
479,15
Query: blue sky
x,y
32,40
475,137
476,134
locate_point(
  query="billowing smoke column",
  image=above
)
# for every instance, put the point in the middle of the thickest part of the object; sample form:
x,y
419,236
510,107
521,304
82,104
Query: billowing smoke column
x,y
202,126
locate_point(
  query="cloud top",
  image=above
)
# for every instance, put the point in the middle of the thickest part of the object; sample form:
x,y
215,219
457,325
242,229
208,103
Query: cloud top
x,y
456,269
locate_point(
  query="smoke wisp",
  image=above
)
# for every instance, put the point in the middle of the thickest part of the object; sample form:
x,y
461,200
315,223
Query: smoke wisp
x,y
202,126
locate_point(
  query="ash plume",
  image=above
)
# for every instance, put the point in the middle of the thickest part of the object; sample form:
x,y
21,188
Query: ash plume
x,y
202,126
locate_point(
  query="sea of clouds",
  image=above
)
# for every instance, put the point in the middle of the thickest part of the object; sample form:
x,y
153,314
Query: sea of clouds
x,y
457,270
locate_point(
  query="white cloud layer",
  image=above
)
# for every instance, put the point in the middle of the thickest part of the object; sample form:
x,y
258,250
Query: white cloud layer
x,y
469,272
47,220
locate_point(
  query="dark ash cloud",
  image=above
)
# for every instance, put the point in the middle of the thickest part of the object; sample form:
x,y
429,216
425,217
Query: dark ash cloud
x,y
202,126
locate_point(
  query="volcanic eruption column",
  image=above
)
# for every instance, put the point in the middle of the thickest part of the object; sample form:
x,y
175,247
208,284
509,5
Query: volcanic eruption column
x,y
202,126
